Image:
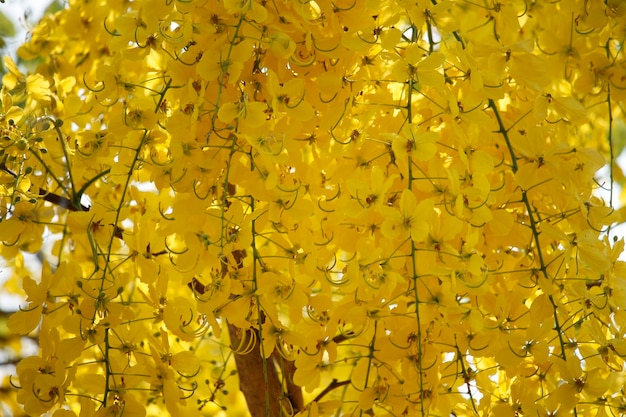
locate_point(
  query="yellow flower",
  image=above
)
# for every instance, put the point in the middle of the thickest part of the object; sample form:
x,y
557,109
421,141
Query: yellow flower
x,y
282,45
38,88
42,383
14,77
413,143
250,114
250,8
120,405
369,195
289,97
411,220
553,108
424,70
9,111
225,65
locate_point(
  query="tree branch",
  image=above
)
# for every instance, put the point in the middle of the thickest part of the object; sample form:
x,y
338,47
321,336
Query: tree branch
x,y
334,384
51,197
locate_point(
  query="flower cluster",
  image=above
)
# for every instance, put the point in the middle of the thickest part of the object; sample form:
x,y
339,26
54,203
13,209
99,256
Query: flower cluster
x,y
317,208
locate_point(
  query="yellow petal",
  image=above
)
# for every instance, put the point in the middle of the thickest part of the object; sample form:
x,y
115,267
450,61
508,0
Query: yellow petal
x,y
501,222
570,109
282,45
187,363
228,112
24,321
367,398
408,202
38,87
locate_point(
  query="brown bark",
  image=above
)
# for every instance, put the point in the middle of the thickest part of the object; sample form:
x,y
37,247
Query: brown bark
x,y
263,397
292,391
266,393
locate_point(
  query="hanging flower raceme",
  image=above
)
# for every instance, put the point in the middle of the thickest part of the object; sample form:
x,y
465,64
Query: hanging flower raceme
x,y
315,208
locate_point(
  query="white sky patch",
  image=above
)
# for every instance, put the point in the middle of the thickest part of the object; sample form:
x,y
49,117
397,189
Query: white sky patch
x,y
618,231
25,14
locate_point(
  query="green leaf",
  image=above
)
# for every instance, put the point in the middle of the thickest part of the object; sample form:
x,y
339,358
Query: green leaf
x,y
7,28
54,7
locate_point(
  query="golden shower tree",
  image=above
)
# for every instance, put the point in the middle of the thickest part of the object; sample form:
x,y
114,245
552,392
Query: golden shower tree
x,y
316,208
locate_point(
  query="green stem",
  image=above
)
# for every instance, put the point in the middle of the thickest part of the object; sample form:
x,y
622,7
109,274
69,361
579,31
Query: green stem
x,y
466,378
611,151
224,73
57,128
370,358
533,223
415,277
49,171
107,368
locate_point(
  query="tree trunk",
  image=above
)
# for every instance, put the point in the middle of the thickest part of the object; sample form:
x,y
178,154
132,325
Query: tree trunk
x,y
263,397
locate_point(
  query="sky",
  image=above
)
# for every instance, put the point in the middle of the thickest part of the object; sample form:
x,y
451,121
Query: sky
x,y
16,11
